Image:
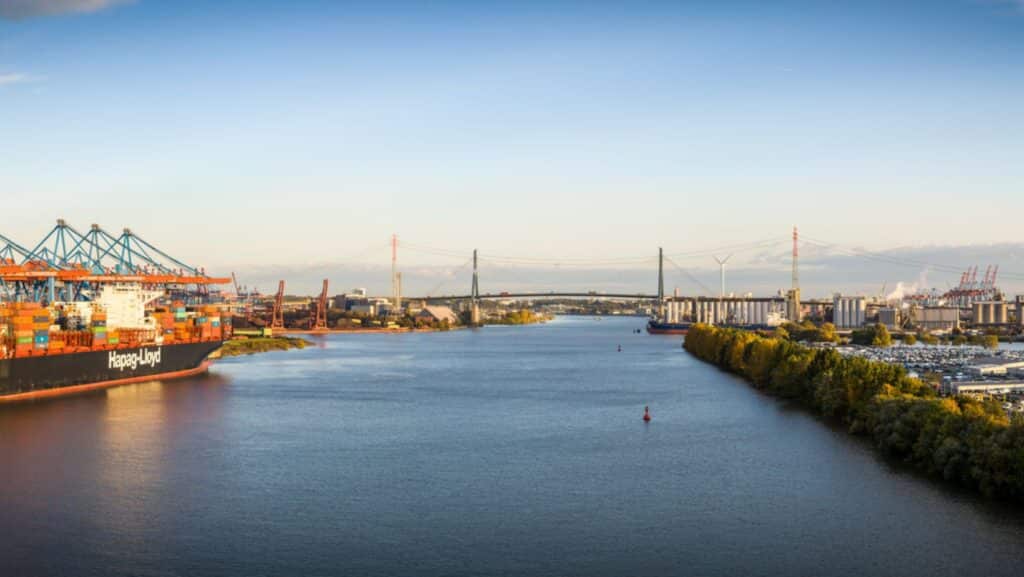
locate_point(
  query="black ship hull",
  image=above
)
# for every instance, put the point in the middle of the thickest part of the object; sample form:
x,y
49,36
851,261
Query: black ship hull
x,y
660,328
52,375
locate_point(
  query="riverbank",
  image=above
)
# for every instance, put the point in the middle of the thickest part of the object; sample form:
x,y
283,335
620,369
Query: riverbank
x,y
964,440
249,346
370,331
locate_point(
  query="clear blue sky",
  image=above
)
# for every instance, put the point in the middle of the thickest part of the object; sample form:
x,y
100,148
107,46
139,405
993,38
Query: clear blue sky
x,y
583,130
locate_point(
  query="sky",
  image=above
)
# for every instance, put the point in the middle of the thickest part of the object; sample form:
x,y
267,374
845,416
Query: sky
x,y
297,137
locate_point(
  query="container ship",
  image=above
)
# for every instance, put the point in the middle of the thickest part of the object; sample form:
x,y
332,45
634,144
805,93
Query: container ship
x,y
123,335
656,327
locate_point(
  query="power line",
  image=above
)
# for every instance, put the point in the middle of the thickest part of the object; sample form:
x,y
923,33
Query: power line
x,y
581,261
741,247
899,261
703,286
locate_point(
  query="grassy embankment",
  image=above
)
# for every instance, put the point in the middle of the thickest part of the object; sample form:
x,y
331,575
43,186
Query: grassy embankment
x,y
964,440
236,347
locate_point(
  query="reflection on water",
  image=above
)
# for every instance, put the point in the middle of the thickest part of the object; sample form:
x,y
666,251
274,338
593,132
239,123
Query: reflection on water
x,y
505,451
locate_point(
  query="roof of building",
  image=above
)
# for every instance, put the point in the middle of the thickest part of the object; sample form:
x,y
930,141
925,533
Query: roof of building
x,y
997,362
440,313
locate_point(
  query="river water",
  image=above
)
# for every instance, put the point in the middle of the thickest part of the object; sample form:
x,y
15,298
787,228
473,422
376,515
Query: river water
x,y
503,451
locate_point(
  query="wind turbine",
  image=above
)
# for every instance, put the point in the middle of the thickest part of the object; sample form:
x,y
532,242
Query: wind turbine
x,y
721,269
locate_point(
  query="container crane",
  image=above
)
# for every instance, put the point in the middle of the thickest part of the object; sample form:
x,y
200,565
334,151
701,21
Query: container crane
x,y
318,311
277,315
69,265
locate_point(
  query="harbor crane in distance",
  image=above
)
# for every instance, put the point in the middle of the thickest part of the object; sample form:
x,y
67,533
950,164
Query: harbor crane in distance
x,y
277,314
244,298
318,311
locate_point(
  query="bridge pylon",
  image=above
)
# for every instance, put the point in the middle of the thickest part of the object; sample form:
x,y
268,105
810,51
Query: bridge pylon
x,y
474,311
661,283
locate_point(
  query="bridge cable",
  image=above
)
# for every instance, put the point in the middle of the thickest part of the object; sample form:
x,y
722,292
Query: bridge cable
x,y
431,293
741,247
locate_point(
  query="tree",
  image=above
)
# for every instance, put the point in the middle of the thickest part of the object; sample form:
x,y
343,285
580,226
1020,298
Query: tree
x,y
828,333
909,340
882,337
875,336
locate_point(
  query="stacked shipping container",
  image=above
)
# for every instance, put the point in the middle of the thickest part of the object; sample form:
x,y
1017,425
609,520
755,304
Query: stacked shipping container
x,y
30,329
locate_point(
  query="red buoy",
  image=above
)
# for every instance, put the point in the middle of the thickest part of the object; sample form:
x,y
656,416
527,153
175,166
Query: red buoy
x,y
647,415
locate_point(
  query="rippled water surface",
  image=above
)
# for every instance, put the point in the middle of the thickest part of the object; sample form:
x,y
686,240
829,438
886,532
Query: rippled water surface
x,y
504,451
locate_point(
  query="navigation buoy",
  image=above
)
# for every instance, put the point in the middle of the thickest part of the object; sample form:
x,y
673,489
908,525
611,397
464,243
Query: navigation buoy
x,y
620,348
647,415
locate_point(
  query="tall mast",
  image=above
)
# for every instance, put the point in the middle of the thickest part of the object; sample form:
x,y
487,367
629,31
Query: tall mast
x,y
796,259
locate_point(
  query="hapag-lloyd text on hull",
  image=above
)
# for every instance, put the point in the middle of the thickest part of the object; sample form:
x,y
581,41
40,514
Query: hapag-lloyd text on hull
x,y
133,360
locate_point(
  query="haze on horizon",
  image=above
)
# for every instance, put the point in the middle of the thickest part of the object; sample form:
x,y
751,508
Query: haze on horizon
x,y
270,136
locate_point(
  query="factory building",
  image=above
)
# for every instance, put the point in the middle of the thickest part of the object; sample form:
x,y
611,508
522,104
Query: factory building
x,y
732,311
848,312
794,311
708,312
937,318
990,312
889,317
678,311
994,366
981,387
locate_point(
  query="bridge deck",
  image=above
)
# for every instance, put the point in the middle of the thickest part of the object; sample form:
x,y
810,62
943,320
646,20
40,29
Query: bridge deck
x,y
595,295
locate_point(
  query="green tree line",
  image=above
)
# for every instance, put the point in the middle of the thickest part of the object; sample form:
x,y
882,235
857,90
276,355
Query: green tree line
x,y
519,317
964,440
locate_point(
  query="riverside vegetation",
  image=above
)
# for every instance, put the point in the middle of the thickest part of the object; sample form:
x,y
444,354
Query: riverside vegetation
x,y
964,440
237,347
520,317
877,335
